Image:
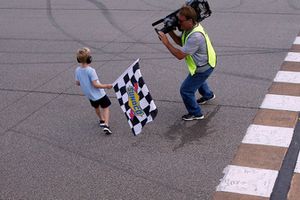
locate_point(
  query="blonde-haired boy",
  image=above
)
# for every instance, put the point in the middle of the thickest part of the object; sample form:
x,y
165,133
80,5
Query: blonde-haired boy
x,y
87,78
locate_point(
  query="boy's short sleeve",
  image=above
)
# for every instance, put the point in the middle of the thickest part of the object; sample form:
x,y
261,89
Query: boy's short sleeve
x,y
93,75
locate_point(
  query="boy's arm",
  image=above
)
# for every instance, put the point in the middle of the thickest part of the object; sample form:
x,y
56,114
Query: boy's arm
x,y
97,84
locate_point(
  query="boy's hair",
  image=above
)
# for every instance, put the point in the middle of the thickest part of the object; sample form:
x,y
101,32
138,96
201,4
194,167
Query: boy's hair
x,y
189,13
84,55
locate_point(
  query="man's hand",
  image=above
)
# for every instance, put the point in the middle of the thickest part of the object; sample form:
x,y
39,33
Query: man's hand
x,y
164,39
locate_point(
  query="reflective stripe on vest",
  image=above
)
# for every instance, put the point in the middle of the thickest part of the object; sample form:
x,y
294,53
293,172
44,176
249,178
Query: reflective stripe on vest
x,y
211,54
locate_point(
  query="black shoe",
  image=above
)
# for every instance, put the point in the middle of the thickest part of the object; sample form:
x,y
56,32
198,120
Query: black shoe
x,y
203,100
102,124
107,130
189,117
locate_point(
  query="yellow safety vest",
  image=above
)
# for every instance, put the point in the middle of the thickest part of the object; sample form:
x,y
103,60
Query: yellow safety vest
x,y
211,54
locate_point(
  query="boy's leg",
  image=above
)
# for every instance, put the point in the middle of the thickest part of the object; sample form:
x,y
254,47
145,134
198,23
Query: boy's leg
x,y
102,123
98,113
105,103
105,115
96,106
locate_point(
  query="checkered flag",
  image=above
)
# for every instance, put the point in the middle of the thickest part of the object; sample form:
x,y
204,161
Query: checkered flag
x,y
134,98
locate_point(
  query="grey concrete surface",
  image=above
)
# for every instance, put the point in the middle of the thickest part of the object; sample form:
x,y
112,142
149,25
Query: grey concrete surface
x,y
50,144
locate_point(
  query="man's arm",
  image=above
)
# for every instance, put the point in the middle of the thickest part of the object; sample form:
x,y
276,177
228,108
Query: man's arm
x,y
173,50
175,38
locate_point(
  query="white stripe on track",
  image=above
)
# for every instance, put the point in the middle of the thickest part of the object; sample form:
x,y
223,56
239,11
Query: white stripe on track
x,y
281,102
292,57
297,168
268,135
297,40
246,180
287,77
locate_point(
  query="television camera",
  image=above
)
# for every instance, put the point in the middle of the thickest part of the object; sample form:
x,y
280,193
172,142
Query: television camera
x,y
170,22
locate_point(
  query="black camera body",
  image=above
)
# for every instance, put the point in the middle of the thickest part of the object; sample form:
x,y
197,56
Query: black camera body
x,y
171,21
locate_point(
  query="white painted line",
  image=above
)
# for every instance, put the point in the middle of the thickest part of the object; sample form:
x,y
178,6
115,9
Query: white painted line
x,y
246,180
268,135
297,40
287,77
297,168
292,57
281,102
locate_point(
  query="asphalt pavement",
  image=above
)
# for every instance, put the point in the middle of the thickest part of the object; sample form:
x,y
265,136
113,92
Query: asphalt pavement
x,y
50,144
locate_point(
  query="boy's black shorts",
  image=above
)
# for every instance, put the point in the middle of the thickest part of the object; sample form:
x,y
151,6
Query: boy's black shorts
x,y
104,102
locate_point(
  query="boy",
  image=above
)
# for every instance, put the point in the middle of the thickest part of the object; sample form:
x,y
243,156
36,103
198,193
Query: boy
x,y
86,77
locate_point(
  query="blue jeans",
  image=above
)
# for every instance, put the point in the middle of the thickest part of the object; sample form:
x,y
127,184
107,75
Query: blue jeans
x,y
189,87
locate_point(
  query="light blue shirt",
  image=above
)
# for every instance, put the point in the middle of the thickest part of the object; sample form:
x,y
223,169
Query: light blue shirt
x,y
85,76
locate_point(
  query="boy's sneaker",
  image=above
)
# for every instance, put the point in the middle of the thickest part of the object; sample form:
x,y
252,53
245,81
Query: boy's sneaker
x,y
107,130
189,117
203,100
102,124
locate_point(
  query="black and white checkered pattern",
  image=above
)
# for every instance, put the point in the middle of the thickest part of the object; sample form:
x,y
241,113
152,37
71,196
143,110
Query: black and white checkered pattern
x,y
132,78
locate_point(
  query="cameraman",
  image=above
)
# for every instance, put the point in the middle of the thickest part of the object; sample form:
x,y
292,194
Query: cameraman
x,y
200,58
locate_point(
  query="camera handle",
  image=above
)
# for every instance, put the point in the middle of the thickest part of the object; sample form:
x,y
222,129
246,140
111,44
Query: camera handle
x,y
156,30
157,22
